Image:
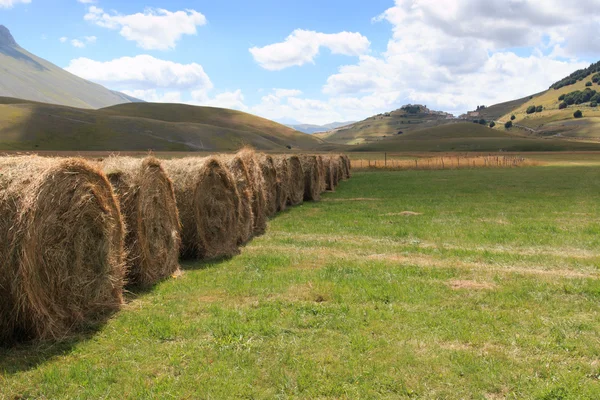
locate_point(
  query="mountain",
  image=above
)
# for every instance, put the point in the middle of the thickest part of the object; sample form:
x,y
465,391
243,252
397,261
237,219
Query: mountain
x,y
308,128
406,119
26,125
26,76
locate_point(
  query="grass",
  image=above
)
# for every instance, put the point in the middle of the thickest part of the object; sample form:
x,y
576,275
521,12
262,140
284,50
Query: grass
x,y
444,162
454,284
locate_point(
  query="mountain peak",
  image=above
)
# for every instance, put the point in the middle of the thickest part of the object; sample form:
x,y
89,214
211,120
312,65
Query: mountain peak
x,y
6,39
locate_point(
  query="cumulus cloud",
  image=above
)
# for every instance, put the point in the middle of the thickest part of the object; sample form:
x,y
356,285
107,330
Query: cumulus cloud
x,y
287,92
77,43
303,46
142,72
233,100
154,29
12,3
155,96
63,39
460,55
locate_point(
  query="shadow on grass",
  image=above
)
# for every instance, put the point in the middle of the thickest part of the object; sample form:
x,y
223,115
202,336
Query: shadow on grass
x,y
22,356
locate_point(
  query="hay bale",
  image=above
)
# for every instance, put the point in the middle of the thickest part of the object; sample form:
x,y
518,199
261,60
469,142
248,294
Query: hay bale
x,y
241,176
296,185
347,166
330,173
267,167
258,191
341,172
209,207
312,185
322,178
283,182
148,205
61,247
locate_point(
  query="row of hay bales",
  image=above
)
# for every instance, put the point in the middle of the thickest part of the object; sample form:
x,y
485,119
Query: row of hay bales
x,y
74,233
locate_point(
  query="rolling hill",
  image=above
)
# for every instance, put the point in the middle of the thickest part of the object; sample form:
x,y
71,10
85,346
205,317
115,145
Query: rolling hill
x,y
26,125
467,136
26,76
406,119
553,121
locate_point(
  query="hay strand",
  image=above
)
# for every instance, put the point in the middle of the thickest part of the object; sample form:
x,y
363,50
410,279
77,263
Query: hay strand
x,y
283,182
267,167
241,176
312,186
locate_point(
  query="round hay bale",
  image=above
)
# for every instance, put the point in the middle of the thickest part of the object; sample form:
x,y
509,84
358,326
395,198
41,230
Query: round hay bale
x,y
258,192
312,186
241,176
267,167
330,173
347,166
209,207
341,172
61,247
283,182
296,185
322,178
148,205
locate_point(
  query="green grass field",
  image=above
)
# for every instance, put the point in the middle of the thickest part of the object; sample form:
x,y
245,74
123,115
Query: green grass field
x,y
470,284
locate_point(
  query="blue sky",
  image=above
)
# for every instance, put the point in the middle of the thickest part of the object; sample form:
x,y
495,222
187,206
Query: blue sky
x,y
312,61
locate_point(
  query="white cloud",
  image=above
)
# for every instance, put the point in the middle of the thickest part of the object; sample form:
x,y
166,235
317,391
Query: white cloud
x,y
154,29
12,3
287,92
86,1
77,43
233,100
155,96
303,46
457,56
63,39
142,72
90,39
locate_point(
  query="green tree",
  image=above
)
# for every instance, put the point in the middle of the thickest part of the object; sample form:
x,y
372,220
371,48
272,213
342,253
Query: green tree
x,y
562,105
492,124
578,114
539,109
482,121
588,84
508,125
530,110
512,117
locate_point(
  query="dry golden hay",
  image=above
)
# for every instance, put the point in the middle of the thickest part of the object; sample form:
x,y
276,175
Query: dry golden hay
x,y
296,185
258,192
322,178
267,167
330,172
347,166
148,205
283,181
209,207
312,186
341,171
240,174
61,247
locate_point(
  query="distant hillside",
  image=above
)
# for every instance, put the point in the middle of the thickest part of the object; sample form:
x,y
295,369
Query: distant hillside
x,y
28,125
555,108
399,122
467,136
308,128
25,76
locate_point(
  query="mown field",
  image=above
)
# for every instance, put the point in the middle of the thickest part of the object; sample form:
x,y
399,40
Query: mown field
x,y
448,284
